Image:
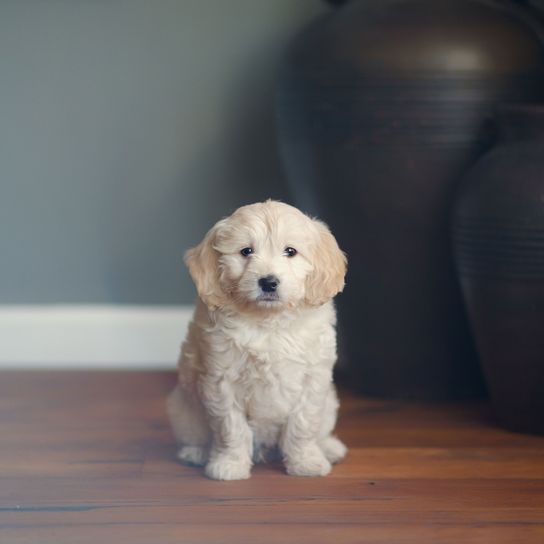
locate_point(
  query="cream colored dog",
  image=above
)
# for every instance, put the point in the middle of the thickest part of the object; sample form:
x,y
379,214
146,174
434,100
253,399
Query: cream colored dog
x,y
255,372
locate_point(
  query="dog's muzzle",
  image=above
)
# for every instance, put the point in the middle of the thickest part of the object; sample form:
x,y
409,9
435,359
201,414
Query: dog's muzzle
x,y
269,286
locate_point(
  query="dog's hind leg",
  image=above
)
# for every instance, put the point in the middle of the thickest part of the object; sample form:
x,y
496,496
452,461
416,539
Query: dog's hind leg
x,y
333,448
190,427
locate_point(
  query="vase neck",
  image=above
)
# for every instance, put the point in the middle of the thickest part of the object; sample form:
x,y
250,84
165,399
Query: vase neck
x,y
521,122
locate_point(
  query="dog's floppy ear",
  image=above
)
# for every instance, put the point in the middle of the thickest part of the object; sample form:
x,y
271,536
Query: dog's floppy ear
x,y
203,264
330,264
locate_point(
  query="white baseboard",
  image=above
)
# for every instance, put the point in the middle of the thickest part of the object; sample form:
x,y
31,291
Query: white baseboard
x,y
92,336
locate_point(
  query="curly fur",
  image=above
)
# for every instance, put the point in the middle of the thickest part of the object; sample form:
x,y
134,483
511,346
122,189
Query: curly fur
x,y
255,376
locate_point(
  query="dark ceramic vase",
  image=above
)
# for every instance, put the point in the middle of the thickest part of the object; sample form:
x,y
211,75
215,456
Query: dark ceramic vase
x,y
499,247
382,106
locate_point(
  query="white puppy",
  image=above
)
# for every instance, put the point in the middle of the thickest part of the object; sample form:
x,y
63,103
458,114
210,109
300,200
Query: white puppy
x,y
255,372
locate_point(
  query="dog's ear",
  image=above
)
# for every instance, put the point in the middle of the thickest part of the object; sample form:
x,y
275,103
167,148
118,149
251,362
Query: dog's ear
x,y
330,265
203,264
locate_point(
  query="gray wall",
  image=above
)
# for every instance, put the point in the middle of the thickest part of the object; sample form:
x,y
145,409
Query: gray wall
x,y
126,128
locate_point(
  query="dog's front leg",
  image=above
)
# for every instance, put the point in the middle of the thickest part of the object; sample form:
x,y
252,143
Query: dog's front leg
x,y
232,440
301,453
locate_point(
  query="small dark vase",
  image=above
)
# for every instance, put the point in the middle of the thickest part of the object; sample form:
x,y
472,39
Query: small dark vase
x,y
498,230
382,107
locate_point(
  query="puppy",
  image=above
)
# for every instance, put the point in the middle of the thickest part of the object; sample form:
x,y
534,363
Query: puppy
x,y
255,371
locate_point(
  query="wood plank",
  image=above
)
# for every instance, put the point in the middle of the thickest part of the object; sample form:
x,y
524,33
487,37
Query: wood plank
x,y
273,534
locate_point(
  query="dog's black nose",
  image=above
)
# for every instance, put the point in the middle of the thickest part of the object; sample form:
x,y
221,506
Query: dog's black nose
x,y
269,284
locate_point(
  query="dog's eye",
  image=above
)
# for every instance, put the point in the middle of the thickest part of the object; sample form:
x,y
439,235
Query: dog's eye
x,y
290,252
246,252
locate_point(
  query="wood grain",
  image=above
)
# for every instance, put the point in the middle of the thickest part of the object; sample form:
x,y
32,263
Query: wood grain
x,y
87,457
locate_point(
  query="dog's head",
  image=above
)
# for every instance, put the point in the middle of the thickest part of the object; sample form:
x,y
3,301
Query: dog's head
x,y
267,256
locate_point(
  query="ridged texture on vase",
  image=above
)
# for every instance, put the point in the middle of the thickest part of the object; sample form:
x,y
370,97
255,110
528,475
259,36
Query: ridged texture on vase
x,y
494,249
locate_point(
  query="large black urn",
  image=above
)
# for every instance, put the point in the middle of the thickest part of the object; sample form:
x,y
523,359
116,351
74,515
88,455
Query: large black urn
x,y
498,226
382,106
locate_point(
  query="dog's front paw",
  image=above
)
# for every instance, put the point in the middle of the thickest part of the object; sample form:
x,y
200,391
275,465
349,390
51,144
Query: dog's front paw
x,y
333,448
227,467
309,461
193,455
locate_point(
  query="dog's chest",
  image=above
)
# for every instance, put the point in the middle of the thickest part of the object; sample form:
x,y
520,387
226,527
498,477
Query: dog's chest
x,y
269,371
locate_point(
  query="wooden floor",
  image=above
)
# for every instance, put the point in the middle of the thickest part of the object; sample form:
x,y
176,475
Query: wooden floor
x,y
88,458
